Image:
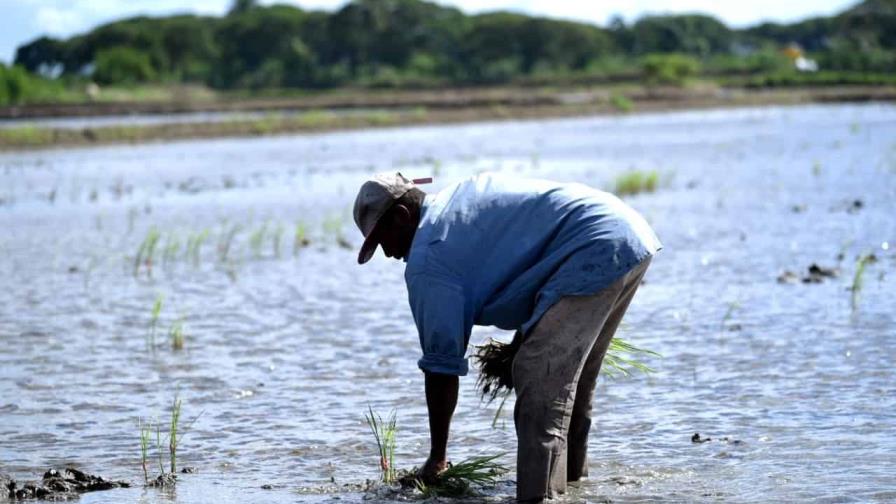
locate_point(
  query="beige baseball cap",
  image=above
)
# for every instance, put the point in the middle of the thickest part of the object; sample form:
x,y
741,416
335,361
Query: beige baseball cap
x,y
374,199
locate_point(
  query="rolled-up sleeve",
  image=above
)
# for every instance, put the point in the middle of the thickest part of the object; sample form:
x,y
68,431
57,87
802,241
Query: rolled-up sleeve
x,y
438,308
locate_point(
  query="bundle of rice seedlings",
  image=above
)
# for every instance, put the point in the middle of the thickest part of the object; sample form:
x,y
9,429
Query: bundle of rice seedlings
x,y
459,479
495,361
384,433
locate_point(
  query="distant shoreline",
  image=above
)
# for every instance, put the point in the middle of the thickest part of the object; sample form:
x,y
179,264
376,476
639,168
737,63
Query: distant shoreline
x,y
318,113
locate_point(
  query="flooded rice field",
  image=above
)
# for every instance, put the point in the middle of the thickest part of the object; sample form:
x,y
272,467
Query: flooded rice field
x,y
286,340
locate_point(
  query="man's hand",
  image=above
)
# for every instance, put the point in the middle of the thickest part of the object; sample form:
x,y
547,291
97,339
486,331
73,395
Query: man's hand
x,y
431,469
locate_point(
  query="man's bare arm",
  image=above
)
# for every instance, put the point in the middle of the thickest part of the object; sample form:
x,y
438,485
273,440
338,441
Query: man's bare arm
x,y
441,399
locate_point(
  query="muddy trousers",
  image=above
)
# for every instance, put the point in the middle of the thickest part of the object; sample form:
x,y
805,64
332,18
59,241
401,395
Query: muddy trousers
x,y
554,375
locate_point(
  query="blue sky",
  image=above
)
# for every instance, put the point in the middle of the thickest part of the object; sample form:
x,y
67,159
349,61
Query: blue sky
x,y
26,20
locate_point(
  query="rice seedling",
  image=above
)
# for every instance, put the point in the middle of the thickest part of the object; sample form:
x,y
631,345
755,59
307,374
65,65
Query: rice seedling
x,y
332,225
176,335
225,242
300,238
256,239
154,319
175,435
858,279
636,181
276,238
615,362
145,435
732,307
459,479
172,433
194,246
384,433
172,247
146,252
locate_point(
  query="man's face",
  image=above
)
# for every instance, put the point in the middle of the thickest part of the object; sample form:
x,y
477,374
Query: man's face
x,y
395,233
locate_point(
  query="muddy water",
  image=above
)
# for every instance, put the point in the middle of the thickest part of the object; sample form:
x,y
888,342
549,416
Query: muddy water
x,y
284,351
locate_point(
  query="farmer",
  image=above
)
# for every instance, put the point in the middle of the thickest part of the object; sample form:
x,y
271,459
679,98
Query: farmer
x,y
558,263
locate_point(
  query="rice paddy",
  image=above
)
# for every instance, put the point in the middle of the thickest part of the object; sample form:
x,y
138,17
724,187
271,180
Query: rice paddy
x,y
285,351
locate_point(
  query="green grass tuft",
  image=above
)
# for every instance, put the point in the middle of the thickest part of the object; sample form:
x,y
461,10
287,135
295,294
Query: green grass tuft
x,y
636,181
621,103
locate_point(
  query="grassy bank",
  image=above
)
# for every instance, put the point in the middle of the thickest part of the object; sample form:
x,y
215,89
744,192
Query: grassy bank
x,y
394,109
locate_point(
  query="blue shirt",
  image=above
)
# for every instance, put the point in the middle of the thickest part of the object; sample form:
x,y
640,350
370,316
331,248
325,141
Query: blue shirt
x,y
500,250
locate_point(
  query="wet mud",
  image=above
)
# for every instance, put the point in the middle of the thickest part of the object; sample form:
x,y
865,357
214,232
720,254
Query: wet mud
x,y
56,485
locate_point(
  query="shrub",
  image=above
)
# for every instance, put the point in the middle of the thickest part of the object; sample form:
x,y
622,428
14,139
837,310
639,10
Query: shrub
x,y
675,69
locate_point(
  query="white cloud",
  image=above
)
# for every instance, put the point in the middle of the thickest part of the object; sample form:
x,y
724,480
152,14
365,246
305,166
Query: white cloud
x,y
58,21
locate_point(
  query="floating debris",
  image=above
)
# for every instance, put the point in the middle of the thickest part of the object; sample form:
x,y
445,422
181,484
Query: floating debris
x,y
788,277
697,439
815,274
57,484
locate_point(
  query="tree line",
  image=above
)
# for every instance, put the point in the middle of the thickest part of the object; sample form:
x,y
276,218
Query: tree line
x,y
414,42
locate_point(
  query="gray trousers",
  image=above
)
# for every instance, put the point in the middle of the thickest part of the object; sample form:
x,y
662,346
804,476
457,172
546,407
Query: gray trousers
x,y
554,375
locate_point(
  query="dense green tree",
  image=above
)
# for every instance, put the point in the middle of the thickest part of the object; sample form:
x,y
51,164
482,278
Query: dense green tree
x,y
394,42
263,47
122,65
693,34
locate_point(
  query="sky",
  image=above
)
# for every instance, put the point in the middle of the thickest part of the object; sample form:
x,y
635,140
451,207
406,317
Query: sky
x,y
25,20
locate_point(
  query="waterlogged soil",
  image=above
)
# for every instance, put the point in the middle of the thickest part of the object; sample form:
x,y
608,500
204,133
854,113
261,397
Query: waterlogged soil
x,y
286,340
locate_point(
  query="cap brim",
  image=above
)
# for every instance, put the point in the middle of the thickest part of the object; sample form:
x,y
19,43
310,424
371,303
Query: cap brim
x,y
367,249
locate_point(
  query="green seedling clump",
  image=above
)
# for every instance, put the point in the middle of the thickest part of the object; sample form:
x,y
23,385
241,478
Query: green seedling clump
x,y
858,280
460,479
495,361
384,434
146,251
300,239
226,242
176,434
636,181
176,334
